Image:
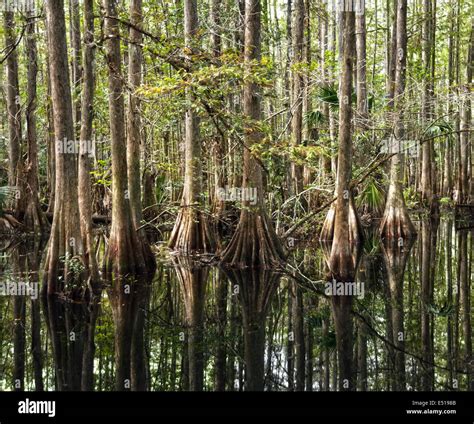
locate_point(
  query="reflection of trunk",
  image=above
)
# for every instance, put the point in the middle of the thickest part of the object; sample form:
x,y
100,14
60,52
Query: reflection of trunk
x,y
465,304
256,289
33,257
290,359
326,356
234,325
93,309
129,300
395,257
298,330
193,281
449,296
221,304
428,246
139,365
19,316
66,327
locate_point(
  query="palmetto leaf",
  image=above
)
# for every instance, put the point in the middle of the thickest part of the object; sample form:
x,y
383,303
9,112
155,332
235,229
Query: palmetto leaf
x,y
6,194
438,128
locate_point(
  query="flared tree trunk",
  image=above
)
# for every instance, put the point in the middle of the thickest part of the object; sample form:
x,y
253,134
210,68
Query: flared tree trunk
x,y
64,257
255,243
191,232
129,263
396,222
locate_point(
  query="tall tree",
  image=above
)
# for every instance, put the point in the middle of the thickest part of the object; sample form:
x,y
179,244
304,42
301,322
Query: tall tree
x,y
191,231
297,91
65,245
396,222
13,110
128,261
34,218
254,242
342,266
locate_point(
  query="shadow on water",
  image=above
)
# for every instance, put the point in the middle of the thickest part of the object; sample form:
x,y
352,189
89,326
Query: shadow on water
x,y
406,325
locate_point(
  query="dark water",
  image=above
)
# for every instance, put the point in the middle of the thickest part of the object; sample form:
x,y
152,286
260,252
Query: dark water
x,y
202,327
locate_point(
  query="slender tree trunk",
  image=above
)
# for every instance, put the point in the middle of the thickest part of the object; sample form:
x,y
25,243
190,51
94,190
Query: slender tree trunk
x,y
191,232
133,113
396,222
14,113
34,218
427,107
361,88
297,91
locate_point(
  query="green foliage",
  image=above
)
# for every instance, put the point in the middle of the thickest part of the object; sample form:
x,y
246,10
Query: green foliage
x,y
438,128
314,118
102,174
7,194
412,199
444,310
446,201
328,94
372,196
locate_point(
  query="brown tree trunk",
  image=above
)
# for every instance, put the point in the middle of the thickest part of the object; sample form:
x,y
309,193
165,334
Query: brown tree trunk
x,y
427,107
396,222
342,266
133,113
297,91
255,243
65,248
466,120
128,260
361,88
34,218
14,114
191,231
